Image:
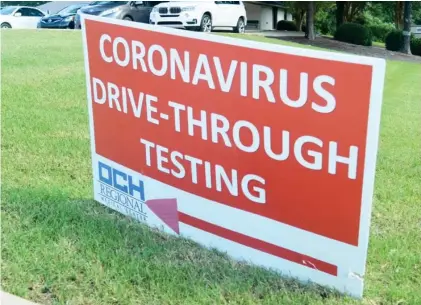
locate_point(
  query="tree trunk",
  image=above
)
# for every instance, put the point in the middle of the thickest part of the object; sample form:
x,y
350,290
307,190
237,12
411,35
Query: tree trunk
x,y
406,48
399,15
340,11
310,21
299,19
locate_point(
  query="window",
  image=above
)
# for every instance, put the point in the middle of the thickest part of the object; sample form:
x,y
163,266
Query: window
x,y
35,13
24,12
29,12
72,9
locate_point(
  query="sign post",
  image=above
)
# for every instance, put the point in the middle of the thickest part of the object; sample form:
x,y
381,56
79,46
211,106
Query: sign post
x,y
262,151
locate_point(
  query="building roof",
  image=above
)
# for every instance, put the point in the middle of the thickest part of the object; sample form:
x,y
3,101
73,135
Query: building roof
x,y
270,3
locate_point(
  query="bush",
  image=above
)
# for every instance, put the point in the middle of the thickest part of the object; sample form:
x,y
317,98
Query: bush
x,y
416,46
325,21
285,25
354,33
394,40
380,31
361,19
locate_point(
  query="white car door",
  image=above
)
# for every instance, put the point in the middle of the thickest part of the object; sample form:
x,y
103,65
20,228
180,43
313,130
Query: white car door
x,y
34,17
19,20
27,18
227,13
219,14
236,11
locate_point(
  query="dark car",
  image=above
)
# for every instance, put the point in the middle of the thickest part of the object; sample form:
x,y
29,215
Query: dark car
x,y
138,11
64,19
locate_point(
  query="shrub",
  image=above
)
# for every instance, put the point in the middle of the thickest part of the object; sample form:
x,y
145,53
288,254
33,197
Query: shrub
x,y
354,33
362,19
285,25
416,46
325,21
394,40
380,31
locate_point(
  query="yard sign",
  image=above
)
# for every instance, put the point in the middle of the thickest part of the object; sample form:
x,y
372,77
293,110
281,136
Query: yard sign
x,y
264,151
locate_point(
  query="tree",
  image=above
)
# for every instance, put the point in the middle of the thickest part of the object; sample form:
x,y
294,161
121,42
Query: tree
x,y
399,14
383,10
406,47
340,13
416,12
347,11
310,34
298,10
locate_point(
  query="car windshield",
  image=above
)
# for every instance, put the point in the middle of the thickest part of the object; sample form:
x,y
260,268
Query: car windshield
x,y
106,2
7,10
72,9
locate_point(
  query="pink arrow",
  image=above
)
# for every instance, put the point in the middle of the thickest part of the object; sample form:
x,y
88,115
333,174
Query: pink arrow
x,y
167,211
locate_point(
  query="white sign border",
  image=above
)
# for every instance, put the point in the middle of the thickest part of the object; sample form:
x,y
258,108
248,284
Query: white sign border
x,y
373,127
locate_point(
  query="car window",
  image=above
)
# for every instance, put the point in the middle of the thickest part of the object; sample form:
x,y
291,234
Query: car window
x,y
35,13
29,12
148,3
24,11
72,9
107,2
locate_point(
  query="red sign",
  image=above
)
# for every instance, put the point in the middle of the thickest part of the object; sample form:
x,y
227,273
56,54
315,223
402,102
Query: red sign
x,y
278,132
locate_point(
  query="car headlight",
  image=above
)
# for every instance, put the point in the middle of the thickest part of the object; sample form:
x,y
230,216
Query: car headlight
x,y
69,18
188,8
154,9
110,11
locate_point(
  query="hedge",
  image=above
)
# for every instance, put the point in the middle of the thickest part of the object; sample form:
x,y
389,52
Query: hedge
x,y
285,25
354,33
416,46
379,31
394,40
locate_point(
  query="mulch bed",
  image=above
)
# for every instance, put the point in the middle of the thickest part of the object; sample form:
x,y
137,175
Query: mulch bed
x,y
328,43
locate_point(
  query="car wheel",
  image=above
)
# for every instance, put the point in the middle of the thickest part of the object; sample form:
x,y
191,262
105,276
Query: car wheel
x,y
128,18
5,25
206,24
71,25
241,27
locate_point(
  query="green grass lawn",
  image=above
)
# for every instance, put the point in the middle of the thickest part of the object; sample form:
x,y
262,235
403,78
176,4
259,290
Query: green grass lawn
x,y
61,247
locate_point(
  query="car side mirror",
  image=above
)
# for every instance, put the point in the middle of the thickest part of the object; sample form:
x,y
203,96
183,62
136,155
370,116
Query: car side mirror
x,y
18,14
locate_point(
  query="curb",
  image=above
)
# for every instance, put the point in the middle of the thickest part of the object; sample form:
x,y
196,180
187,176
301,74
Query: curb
x,y
9,299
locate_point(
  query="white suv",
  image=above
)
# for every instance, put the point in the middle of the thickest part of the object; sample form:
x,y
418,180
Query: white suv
x,y
200,15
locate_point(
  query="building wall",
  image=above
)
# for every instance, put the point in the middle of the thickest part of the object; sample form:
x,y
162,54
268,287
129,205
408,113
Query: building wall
x,y
416,30
281,14
264,15
253,11
266,18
